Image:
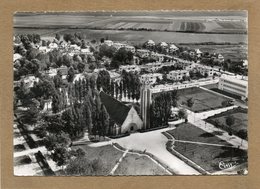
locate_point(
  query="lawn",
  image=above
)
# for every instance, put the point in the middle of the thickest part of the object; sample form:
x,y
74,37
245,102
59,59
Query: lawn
x,y
240,121
203,100
107,154
189,132
206,156
134,164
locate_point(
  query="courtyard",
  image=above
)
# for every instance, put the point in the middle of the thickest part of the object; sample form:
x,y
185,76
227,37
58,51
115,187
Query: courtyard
x,y
203,100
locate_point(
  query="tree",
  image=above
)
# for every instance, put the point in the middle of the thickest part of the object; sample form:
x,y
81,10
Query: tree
x,y
57,80
104,121
230,121
57,36
182,113
80,67
32,115
60,156
190,102
55,140
107,51
71,74
103,80
32,53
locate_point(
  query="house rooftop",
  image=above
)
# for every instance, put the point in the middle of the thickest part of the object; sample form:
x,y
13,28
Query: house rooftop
x,y
243,80
116,109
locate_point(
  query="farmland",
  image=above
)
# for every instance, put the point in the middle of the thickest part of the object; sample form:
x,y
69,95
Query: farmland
x,y
137,37
171,27
207,154
155,23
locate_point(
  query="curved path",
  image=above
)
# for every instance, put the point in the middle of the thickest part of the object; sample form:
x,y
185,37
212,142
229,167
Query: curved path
x,y
153,142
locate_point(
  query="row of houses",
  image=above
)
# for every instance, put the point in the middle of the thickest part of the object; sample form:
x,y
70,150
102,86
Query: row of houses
x,y
149,67
120,45
143,53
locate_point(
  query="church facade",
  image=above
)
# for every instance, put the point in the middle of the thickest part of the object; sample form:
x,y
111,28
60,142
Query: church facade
x,y
123,119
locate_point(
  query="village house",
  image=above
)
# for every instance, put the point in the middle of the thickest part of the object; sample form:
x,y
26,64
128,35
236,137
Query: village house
x,y
108,42
177,75
173,48
123,119
53,46
151,77
51,72
63,70
114,76
158,57
119,45
245,63
163,45
130,48
152,67
150,43
44,49
126,46
205,70
198,52
143,53
220,58
130,68
16,57
185,65
29,80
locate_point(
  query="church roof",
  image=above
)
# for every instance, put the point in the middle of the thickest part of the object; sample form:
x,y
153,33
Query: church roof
x,y
116,110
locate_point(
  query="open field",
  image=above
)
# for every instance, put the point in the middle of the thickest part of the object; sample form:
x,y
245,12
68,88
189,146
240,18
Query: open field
x,y
234,52
240,123
203,100
188,23
134,164
215,27
137,37
205,155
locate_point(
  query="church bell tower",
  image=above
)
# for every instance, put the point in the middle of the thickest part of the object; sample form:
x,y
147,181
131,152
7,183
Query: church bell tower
x,y
146,101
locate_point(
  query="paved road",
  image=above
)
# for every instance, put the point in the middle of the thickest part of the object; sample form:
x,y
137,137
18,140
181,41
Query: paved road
x,y
153,142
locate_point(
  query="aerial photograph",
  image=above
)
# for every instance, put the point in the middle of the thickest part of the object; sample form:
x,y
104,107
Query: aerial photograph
x,y
130,93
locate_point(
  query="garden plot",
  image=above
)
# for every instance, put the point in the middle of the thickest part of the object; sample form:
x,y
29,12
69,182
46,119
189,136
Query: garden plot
x,y
203,100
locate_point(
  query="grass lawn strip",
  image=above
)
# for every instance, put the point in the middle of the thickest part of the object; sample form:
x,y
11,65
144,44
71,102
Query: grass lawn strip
x,y
128,167
206,156
107,154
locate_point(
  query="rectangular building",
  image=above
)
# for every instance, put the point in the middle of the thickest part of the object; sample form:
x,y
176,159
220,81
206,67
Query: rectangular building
x,y
130,68
177,74
151,78
234,85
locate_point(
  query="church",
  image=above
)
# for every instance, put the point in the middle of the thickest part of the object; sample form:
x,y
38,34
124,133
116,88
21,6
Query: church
x,y
123,119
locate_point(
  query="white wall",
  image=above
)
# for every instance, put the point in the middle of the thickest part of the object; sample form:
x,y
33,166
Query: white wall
x,y
132,117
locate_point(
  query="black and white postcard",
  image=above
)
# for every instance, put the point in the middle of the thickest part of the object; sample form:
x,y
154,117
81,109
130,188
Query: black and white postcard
x,y
130,93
